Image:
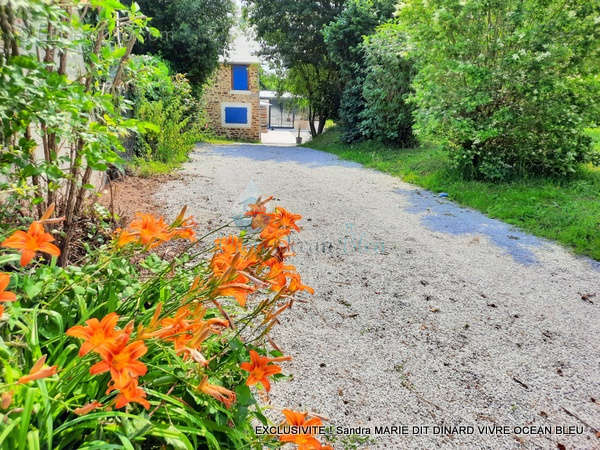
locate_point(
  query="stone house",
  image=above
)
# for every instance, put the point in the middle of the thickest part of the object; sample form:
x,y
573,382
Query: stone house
x,y
232,98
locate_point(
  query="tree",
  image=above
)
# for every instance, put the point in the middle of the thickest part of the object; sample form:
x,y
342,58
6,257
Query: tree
x,y
290,32
387,115
194,33
343,38
506,86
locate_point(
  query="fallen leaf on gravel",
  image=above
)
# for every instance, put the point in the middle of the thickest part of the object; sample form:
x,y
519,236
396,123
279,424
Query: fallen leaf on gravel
x,y
587,297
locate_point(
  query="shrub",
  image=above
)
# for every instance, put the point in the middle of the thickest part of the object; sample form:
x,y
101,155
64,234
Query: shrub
x,y
387,115
505,86
132,350
168,104
344,37
63,71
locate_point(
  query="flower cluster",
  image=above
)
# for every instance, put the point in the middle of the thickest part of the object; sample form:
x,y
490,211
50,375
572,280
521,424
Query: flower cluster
x,y
151,231
305,440
32,241
240,268
118,356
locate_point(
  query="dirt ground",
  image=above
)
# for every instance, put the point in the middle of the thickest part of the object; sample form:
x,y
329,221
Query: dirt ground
x,y
132,194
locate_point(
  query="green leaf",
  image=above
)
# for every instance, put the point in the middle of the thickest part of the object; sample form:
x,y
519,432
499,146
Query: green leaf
x,y
25,418
31,288
173,437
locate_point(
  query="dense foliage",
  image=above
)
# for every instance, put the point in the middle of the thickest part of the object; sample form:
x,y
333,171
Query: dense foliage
x,y
507,87
387,115
344,37
194,33
166,102
132,351
290,33
69,102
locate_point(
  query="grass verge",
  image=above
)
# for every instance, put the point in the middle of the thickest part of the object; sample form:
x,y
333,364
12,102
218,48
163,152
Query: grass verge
x,y
565,210
146,168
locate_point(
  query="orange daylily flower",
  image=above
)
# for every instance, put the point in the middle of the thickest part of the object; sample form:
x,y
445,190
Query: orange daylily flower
x,y
282,276
6,399
151,231
273,237
258,212
122,362
306,440
130,393
258,208
85,409
239,291
230,244
38,371
34,240
285,219
6,296
232,256
278,274
98,336
1,311
124,237
149,331
222,394
260,368
188,330
183,228
232,263
185,233
296,285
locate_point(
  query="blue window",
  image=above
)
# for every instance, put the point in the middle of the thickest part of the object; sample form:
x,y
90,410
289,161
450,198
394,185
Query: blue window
x,y
240,78
236,115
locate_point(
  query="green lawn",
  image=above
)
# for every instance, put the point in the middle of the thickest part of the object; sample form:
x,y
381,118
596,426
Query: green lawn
x,y
567,211
147,167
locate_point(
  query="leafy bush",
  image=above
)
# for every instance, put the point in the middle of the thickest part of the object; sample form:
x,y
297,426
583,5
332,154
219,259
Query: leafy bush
x,y
167,103
505,86
343,37
387,115
63,71
132,351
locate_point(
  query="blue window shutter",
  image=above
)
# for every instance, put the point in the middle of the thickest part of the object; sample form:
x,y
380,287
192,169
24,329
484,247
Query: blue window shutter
x,y
236,115
240,78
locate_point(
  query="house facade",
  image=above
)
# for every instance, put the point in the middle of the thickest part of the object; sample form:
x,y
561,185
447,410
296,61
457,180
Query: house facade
x,y
232,98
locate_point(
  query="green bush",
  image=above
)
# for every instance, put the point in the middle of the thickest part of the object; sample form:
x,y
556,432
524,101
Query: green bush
x,y
344,37
506,87
166,102
387,116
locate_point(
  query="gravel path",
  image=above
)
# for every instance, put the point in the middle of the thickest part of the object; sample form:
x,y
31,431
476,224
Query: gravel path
x,y
425,313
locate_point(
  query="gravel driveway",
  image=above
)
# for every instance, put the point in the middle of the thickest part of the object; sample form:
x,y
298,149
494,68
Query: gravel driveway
x,y
425,314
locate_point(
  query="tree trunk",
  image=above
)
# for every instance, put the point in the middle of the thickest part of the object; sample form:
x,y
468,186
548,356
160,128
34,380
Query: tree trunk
x,y
322,121
311,122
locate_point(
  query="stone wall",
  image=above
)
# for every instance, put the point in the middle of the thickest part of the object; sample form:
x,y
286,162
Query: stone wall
x,y
264,117
221,93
